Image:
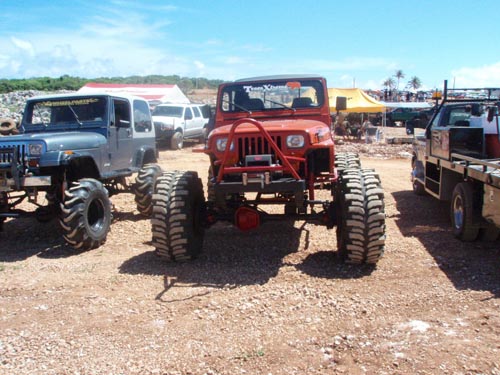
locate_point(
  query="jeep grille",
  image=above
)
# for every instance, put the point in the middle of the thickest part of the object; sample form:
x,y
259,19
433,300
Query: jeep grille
x,y
256,145
7,153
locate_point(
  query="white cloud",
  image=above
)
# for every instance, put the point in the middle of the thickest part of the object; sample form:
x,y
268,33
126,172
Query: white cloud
x,y
233,60
23,45
199,64
483,76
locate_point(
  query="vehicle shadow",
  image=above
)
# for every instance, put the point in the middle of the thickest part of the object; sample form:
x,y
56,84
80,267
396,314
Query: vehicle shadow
x,y
23,238
127,216
328,265
230,257
468,265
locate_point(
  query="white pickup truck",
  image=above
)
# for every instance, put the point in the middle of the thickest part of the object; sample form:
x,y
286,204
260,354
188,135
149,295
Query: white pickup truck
x,y
176,122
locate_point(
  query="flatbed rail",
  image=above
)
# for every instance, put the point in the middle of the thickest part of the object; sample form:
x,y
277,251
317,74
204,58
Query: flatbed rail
x,y
485,170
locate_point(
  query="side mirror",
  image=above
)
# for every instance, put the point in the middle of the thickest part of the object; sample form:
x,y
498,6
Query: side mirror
x,y
341,103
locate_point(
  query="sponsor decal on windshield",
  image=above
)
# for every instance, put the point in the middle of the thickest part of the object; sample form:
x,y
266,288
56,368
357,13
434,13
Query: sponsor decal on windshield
x,y
270,87
60,103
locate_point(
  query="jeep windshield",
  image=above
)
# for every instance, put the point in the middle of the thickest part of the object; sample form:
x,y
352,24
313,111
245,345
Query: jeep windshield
x,y
60,113
169,111
273,95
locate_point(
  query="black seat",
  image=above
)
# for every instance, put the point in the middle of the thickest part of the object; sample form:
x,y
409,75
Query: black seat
x,y
254,104
462,123
301,102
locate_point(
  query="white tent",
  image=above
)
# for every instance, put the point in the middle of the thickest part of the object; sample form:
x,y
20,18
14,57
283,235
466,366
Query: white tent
x,y
406,104
154,94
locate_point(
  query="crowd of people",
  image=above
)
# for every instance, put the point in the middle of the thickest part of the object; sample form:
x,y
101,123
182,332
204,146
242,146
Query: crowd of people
x,y
355,129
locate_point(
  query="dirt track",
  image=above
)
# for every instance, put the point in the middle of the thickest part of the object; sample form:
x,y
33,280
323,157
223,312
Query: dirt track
x,y
272,301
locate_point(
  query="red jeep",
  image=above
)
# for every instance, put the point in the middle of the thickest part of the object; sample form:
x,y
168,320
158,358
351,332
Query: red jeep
x,y
272,145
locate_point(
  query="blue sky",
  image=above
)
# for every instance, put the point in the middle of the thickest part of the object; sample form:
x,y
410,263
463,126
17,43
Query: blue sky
x,y
351,43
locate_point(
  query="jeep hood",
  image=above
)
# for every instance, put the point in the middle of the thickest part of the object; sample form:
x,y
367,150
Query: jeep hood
x,y
60,141
275,126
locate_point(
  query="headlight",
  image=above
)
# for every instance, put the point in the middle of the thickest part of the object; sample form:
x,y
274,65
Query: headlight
x,y
163,126
35,149
221,144
295,141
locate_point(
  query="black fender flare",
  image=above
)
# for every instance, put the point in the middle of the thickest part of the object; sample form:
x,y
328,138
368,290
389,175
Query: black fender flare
x,y
145,155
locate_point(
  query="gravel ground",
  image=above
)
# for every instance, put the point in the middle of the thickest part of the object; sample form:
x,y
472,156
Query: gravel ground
x,y
272,301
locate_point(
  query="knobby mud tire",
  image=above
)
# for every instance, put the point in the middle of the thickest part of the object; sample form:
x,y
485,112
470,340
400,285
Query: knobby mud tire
x,y
144,188
85,216
361,217
177,220
347,160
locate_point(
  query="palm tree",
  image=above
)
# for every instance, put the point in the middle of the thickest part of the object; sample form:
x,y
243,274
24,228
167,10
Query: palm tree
x,y
399,75
415,83
389,83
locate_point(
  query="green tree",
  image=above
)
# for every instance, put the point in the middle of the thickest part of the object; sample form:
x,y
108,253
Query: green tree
x,y
389,83
399,76
415,83
67,82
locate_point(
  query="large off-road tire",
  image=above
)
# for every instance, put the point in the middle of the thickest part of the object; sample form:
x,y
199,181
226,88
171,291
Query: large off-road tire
x,y
361,217
144,187
178,216
177,141
347,160
464,217
85,214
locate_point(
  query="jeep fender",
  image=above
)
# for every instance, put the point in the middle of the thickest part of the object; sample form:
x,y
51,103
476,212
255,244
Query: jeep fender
x,y
82,166
77,165
145,155
53,159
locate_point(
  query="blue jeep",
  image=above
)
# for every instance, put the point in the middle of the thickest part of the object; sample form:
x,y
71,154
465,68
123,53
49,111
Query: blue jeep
x,y
79,149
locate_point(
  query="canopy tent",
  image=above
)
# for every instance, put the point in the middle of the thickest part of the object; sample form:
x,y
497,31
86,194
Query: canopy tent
x,y
357,100
154,94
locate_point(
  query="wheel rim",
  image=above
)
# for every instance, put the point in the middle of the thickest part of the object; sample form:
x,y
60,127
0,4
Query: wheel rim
x,y
95,215
458,212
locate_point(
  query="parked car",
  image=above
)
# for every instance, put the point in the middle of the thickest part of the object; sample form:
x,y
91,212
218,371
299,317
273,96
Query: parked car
x,y
176,122
402,115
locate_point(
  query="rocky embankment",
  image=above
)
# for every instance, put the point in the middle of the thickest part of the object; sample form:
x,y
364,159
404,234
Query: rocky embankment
x,y
12,103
